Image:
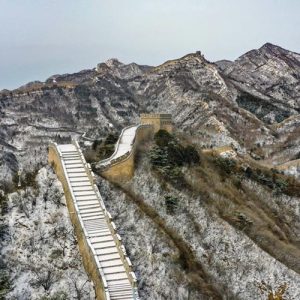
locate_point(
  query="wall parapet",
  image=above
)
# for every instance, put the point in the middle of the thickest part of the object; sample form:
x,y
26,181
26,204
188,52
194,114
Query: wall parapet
x,y
122,166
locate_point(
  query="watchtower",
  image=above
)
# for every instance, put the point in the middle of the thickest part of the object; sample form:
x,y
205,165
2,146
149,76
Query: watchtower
x,y
158,121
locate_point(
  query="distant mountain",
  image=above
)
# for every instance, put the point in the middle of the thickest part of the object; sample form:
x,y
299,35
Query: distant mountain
x,y
252,103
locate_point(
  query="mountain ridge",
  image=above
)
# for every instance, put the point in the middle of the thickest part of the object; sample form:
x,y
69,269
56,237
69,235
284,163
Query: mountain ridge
x,y
217,104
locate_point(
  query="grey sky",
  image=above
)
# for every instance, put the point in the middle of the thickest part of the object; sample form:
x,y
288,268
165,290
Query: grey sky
x,y
40,38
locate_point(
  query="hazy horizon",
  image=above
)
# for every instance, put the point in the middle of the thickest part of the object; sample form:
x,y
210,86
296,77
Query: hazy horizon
x,y
40,39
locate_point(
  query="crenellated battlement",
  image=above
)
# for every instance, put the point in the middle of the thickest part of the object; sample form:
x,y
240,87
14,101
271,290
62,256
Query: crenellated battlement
x,y
158,121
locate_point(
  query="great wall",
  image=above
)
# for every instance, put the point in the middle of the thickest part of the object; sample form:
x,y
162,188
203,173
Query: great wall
x,y
104,257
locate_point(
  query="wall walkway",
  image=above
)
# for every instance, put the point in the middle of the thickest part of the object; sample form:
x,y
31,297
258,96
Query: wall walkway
x,y
120,166
103,254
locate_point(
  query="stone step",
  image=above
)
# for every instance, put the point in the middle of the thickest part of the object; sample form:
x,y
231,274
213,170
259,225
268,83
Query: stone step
x,y
95,213
125,288
99,231
73,162
84,193
90,210
107,252
114,270
125,294
99,234
111,263
85,184
73,166
85,205
86,188
103,245
119,287
71,171
95,227
100,239
116,277
107,257
89,197
92,216
70,158
96,221
122,298
68,151
95,217
78,174
82,180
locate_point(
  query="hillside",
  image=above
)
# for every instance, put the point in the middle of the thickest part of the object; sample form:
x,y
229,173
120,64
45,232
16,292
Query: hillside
x,y
222,227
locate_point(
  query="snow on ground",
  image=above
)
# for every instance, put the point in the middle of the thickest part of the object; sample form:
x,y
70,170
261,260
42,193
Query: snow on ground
x,y
41,251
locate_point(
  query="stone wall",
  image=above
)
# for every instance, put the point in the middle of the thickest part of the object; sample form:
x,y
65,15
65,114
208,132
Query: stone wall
x,y
159,121
124,169
88,259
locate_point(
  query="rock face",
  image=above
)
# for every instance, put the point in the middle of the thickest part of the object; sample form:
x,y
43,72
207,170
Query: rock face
x,y
251,104
272,74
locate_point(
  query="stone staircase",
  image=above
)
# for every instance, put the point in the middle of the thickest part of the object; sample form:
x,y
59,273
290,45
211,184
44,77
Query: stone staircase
x,y
100,232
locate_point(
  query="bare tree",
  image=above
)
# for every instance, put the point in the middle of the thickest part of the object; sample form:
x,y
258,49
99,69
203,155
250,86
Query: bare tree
x,y
79,289
45,277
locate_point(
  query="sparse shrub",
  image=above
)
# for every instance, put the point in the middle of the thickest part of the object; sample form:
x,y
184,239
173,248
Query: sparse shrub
x,y
111,139
30,179
5,282
162,138
158,157
168,156
82,91
237,181
280,186
277,294
297,156
171,203
95,144
279,183
45,277
191,155
102,149
226,164
3,203
243,222
27,180
60,295
3,231
55,254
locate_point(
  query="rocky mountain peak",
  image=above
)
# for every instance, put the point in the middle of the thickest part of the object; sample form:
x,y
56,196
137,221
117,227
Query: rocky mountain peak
x,y
271,47
114,63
